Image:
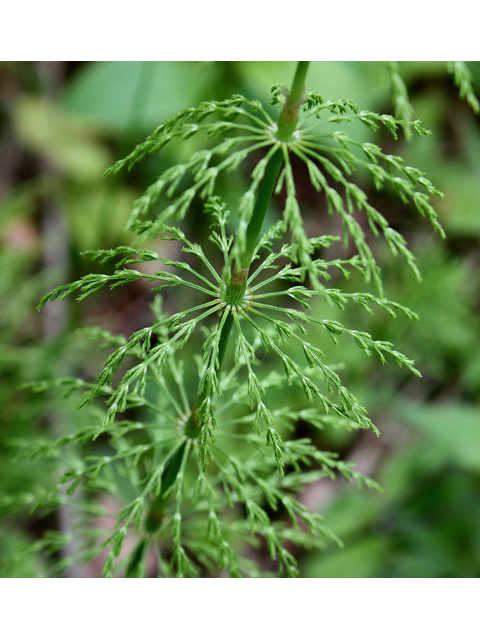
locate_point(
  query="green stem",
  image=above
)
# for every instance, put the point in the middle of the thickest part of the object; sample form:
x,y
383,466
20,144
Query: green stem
x,y
261,206
224,336
298,85
286,126
289,117
156,513
237,286
238,283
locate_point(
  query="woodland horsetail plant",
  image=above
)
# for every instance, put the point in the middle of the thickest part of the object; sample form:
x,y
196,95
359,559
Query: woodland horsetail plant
x,y
203,480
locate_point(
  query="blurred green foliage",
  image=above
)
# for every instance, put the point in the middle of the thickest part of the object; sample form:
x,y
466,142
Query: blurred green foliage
x,y
62,124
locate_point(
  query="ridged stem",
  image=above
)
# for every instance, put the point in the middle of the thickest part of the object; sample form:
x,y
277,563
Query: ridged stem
x,y
261,206
236,288
289,117
238,282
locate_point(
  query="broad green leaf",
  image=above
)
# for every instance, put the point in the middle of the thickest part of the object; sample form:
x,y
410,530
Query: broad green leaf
x,y
126,97
362,560
453,427
67,143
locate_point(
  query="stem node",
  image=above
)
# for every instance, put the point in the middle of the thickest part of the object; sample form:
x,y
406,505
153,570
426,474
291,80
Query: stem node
x,y
237,287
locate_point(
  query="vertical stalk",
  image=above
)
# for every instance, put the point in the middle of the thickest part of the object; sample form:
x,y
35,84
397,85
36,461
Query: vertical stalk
x,y
298,85
289,116
286,126
261,206
236,288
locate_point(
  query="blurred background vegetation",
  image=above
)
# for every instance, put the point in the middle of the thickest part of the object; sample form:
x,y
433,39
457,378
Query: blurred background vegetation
x,y
63,123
